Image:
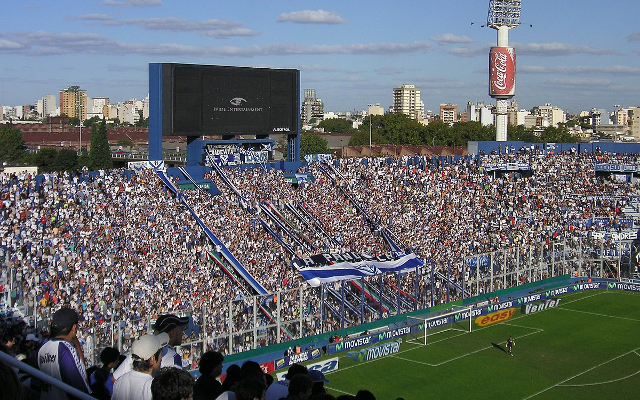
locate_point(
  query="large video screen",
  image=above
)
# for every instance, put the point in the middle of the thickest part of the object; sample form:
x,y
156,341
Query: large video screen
x,y
209,99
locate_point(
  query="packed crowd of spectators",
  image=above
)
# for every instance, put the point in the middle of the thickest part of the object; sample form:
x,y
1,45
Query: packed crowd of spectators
x,y
121,247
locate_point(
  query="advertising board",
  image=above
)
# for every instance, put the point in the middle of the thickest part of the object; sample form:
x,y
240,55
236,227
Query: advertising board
x,y
502,72
212,99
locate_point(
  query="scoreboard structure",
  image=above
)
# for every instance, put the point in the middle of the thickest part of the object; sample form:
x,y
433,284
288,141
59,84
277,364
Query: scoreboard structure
x,y
234,103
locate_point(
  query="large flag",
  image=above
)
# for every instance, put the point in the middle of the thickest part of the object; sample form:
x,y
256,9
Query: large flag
x,y
358,269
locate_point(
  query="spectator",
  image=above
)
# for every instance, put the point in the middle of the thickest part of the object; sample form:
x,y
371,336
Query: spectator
x,y
146,353
250,370
100,379
250,389
207,386
8,343
319,380
365,395
300,387
322,396
61,357
172,384
11,387
280,389
174,326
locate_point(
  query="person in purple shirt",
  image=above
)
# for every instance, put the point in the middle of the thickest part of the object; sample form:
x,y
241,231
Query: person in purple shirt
x,y
61,357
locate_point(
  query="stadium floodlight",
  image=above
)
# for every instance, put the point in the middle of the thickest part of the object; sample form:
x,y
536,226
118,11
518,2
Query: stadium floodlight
x,y
503,16
504,13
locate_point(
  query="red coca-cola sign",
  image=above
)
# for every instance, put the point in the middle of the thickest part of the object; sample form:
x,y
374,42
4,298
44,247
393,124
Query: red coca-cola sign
x,y
502,72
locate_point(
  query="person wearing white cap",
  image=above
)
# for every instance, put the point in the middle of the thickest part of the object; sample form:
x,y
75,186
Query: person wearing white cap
x,y
167,324
146,353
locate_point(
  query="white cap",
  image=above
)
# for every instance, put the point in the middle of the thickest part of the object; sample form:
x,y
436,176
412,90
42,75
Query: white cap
x,y
31,337
148,345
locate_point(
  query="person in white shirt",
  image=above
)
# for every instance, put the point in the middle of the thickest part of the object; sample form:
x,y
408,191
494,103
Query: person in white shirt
x,y
146,353
167,324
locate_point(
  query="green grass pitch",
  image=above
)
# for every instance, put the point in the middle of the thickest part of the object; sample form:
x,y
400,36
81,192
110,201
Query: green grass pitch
x,y
586,348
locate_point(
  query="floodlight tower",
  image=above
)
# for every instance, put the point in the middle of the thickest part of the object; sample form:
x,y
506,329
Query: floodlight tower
x,y
503,15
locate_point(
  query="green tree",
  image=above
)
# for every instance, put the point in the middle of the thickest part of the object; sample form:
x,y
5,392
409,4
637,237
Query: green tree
x,y
437,133
65,160
142,122
125,142
521,133
337,125
11,144
395,128
313,144
84,160
100,153
43,159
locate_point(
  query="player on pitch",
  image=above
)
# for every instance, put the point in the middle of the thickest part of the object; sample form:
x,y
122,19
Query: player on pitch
x,y
510,344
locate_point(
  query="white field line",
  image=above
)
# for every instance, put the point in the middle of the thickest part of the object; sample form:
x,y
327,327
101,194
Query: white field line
x,y
581,373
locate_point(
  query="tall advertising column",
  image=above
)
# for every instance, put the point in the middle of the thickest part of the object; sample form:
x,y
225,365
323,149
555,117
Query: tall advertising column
x,y
502,85
503,15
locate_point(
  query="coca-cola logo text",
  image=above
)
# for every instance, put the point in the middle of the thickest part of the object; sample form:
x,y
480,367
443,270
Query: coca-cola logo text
x,y
500,64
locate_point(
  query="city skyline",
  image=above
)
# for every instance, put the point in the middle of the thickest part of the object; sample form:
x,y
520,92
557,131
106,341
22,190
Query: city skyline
x,y
576,56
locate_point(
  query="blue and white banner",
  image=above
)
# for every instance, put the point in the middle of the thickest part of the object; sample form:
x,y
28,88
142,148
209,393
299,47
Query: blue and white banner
x,y
311,158
142,165
302,178
352,269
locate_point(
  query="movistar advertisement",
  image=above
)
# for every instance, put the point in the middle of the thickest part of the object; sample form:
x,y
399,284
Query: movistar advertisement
x,y
220,100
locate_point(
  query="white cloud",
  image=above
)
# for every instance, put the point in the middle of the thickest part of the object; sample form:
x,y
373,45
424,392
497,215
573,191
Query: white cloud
x,y
92,17
449,38
612,69
312,17
535,49
469,51
634,37
8,45
47,43
233,32
132,3
176,24
587,82
559,49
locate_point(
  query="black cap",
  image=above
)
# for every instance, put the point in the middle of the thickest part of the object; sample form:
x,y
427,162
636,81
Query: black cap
x,y
64,317
167,322
296,369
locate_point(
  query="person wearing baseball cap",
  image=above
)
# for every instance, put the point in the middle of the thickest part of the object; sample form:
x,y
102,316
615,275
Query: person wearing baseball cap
x,y
173,326
319,380
61,357
146,353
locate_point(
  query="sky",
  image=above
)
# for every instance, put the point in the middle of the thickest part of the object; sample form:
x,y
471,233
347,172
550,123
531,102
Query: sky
x,y
576,55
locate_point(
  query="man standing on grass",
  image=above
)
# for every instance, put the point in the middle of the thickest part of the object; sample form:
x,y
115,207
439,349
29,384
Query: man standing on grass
x,y
510,344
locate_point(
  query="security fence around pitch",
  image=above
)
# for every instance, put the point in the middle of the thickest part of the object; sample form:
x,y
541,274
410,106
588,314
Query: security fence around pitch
x,y
252,322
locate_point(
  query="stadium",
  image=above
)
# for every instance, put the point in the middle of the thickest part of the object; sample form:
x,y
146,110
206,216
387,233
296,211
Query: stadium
x,y
410,262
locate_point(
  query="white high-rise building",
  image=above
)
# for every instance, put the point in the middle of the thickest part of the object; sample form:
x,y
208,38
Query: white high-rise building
x,y
486,115
312,107
46,106
406,100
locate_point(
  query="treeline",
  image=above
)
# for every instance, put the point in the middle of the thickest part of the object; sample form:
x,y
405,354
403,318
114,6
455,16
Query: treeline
x,y
13,150
399,129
